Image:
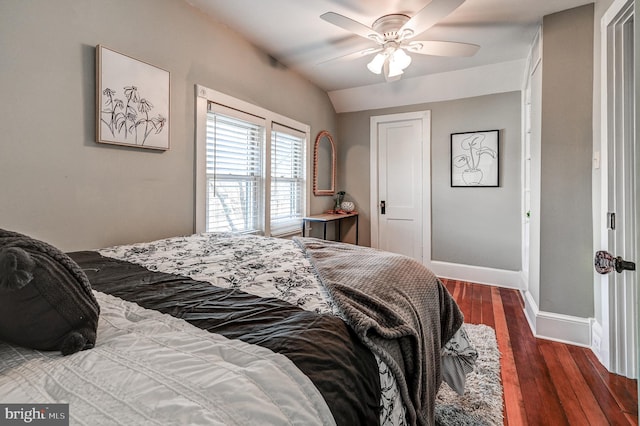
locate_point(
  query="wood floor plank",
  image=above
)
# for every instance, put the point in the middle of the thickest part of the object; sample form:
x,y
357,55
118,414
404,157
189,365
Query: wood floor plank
x,y
633,420
488,316
475,316
514,412
564,385
535,379
455,288
465,305
601,393
623,390
579,385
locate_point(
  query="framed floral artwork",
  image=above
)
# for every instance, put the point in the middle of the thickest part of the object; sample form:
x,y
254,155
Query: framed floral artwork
x,y
475,158
133,101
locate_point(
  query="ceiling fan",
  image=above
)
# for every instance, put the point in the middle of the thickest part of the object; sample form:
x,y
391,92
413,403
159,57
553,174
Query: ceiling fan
x,y
394,35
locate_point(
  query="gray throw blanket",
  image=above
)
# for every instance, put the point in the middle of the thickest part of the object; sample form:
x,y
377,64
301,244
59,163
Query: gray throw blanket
x,y
400,310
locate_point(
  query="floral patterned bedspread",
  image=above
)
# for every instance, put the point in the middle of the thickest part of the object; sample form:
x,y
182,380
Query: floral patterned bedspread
x,y
266,267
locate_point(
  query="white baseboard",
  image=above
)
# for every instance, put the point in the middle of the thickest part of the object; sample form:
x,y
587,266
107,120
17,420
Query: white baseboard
x,y
557,327
477,274
600,350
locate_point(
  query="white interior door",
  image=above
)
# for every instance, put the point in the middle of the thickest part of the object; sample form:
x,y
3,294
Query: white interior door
x,y
619,190
400,197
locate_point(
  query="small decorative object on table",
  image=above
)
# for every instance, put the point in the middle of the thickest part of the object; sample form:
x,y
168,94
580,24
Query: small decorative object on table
x,y
347,206
338,199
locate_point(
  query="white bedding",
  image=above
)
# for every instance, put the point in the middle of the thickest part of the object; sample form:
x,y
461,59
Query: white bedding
x,y
150,368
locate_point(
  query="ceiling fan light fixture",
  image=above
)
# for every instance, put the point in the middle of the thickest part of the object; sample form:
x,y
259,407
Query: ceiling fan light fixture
x,y
376,64
400,59
398,62
391,74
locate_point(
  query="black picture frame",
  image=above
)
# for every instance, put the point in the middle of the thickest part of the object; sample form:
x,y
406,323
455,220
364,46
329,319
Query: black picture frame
x,y
475,159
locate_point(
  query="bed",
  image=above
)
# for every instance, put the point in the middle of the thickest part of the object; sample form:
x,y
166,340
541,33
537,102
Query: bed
x,y
237,329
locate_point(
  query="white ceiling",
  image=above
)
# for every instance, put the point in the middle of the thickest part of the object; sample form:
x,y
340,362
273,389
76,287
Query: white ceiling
x,y
292,32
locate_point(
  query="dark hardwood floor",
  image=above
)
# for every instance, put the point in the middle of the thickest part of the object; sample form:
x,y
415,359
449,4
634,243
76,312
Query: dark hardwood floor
x,y
545,382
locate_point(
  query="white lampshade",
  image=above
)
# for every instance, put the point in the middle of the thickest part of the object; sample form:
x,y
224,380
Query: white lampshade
x,y
375,66
398,61
394,70
401,58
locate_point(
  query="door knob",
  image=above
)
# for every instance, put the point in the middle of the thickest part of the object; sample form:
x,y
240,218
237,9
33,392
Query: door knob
x,y
605,262
383,207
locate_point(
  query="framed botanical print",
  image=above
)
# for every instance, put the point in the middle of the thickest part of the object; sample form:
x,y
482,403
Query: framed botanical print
x,y
133,101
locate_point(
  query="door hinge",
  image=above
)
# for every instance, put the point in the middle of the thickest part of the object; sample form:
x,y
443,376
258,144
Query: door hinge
x,y
611,221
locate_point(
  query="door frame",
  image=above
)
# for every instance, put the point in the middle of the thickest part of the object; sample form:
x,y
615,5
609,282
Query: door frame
x,y
375,121
613,342
636,100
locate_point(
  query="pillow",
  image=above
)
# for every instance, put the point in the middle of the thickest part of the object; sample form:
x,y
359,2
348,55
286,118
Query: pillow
x,y
46,302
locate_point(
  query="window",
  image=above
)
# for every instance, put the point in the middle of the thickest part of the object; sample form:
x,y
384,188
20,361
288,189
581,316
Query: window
x,y
287,179
251,174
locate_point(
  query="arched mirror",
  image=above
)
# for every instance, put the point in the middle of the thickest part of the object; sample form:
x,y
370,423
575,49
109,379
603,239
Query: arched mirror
x,y
324,165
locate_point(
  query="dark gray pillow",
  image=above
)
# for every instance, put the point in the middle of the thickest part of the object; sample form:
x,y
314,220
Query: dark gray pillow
x,y
46,301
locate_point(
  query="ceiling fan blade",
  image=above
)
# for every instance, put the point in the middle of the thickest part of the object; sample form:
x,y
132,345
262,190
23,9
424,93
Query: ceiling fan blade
x,y
430,15
351,25
353,55
442,48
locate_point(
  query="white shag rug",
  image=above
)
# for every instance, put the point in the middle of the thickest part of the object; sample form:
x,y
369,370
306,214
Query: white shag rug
x,y
481,403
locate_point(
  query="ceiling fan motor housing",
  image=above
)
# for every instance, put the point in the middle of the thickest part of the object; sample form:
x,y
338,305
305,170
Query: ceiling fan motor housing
x,y
389,26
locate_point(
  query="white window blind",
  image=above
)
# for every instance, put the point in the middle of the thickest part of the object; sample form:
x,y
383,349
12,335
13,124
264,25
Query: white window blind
x,y
287,179
234,167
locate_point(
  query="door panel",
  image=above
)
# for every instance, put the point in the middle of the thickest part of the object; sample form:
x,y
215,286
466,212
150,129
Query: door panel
x,y
399,142
621,194
398,233
619,350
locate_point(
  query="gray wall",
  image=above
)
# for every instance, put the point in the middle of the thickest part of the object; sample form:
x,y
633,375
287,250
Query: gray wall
x,y
566,254
56,182
472,226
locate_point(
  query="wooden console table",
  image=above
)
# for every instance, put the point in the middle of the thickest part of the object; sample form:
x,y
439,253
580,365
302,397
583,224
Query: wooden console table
x,y
329,217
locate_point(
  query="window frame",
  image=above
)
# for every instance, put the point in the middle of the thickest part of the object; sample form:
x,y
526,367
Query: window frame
x,y
299,178
203,97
